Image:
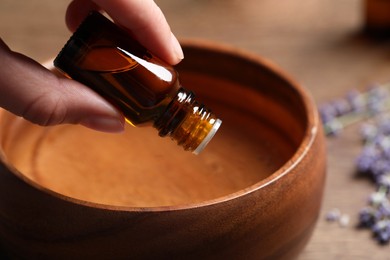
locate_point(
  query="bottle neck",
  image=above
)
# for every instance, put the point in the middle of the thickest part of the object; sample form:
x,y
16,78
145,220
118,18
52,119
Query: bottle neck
x,y
187,122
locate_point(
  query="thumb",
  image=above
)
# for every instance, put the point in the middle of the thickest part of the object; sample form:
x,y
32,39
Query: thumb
x,y
29,90
142,18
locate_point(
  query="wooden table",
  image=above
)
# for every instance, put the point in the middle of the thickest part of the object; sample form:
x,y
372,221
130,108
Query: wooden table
x,y
318,42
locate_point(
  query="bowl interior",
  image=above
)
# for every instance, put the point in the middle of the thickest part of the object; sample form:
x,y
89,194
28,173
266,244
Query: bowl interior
x,y
264,123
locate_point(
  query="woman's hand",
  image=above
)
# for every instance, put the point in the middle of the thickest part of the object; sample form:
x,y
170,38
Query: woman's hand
x,y
30,90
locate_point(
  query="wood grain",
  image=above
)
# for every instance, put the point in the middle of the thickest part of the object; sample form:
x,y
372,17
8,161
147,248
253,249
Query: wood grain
x,y
318,42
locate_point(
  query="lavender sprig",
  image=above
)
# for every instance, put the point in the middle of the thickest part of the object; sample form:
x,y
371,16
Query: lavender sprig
x,y
355,106
381,231
374,159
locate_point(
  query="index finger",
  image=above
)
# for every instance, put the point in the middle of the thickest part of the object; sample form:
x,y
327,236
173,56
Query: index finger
x,y
142,18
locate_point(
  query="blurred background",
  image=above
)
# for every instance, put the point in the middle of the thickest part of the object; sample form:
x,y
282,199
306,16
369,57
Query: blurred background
x,y
319,43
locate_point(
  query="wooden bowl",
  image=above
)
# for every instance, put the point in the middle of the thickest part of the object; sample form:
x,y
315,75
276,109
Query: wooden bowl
x,y
67,192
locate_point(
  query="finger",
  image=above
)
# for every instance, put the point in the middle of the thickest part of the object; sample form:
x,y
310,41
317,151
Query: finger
x,y
77,11
29,90
144,20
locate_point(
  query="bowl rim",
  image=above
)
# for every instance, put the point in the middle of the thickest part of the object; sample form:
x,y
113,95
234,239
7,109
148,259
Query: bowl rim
x,y
311,131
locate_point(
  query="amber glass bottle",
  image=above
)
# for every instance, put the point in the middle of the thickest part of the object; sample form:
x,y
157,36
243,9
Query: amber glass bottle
x,y
377,18
104,57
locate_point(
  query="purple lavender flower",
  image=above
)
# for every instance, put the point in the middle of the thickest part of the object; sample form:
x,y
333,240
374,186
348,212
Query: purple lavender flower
x,y
377,215
380,166
367,158
341,106
327,112
376,99
384,125
383,236
368,132
378,198
382,141
367,217
383,211
384,181
333,215
356,100
381,230
378,91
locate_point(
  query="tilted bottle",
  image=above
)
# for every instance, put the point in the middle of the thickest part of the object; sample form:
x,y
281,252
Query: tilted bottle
x,y
377,18
145,89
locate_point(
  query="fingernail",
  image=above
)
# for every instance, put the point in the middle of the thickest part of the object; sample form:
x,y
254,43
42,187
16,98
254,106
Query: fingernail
x,y
104,124
177,48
